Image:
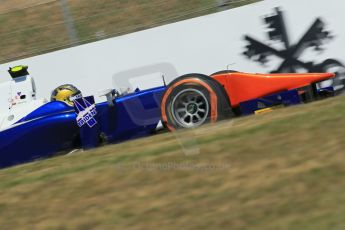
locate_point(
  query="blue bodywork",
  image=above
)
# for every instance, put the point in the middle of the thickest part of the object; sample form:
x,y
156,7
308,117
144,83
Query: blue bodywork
x,y
286,98
52,128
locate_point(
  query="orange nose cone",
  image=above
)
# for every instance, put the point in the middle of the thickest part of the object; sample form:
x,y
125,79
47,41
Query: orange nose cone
x,y
329,75
244,86
315,77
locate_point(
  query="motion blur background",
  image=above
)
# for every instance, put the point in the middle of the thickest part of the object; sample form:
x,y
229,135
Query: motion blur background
x,y
284,170
32,27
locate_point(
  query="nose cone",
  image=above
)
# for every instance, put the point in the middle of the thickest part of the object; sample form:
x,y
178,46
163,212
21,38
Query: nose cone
x,y
314,77
244,86
296,80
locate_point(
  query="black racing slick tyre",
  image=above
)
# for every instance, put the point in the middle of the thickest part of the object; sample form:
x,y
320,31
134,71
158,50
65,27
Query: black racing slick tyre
x,y
193,100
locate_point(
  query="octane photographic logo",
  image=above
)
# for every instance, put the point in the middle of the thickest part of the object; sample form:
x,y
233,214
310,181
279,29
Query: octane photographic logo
x,y
188,165
167,72
315,37
127,80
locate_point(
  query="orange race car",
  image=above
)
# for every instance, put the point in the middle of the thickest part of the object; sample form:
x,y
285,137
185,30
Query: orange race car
x,y
194,99
34,129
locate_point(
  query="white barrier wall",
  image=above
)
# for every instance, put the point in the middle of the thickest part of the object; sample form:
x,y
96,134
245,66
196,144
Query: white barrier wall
x,y
204,45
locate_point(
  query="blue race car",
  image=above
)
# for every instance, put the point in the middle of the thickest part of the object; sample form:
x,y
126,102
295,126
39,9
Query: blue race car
x,y
41,129
31,129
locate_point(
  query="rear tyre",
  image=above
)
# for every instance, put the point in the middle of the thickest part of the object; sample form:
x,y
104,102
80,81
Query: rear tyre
x,y
193,100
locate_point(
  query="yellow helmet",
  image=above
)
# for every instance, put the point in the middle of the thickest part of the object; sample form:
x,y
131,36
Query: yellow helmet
x,y
65,93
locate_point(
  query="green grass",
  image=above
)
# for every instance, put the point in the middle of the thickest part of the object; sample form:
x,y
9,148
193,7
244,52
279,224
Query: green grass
x,y
280,170
36,30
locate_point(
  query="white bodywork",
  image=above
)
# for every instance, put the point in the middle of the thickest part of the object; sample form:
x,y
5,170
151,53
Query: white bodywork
x,y
17,99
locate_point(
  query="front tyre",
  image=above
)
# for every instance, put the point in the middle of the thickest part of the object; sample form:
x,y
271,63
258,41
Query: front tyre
x,y
193,100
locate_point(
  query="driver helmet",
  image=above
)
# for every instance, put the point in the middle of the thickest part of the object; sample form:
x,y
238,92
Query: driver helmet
x,y
65,93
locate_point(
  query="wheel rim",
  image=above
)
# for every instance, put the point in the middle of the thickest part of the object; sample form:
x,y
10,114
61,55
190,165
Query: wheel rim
x,y
190,108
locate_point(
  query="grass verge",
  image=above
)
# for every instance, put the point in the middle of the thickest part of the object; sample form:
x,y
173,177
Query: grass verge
x,y
281,170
